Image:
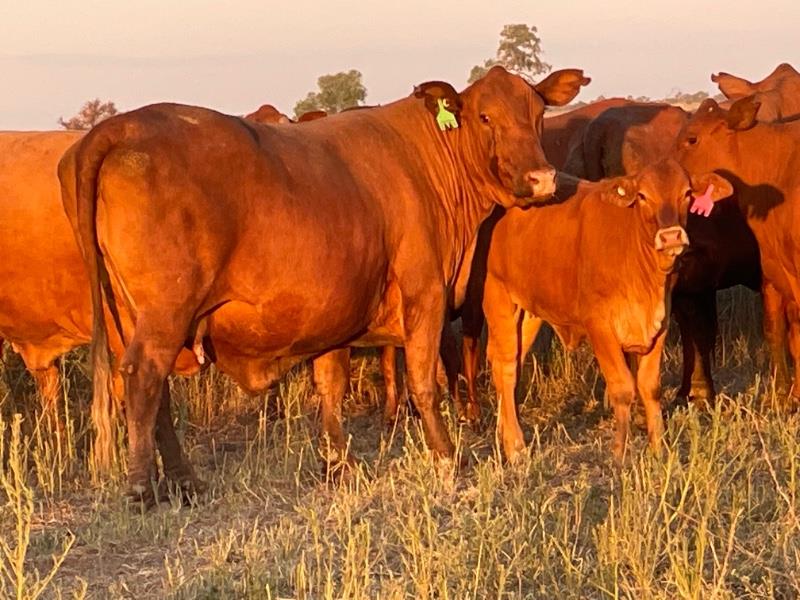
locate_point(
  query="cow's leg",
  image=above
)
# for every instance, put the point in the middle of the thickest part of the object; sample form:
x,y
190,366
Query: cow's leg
x,y
48,383
452,366
528,330
472,320
391,409
775,333
177,468
147,362
697,320
793,317
423,316
331,376
619,384
648,380
503,317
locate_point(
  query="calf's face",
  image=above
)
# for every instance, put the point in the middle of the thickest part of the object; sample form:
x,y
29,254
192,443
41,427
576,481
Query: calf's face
x,y
661,194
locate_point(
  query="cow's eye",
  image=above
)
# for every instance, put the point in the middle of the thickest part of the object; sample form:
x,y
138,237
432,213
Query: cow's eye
x,y
691,140
484,118
641,197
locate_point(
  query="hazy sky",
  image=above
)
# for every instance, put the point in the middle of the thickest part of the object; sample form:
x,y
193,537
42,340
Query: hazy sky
x,y
239,54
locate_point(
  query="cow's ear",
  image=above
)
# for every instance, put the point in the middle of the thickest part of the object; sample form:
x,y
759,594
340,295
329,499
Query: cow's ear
x,y
620,191
560,87
442,101
742,113
713,186
731,86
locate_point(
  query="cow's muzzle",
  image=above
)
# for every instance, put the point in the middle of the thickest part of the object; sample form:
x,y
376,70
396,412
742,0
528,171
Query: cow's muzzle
x,y
672,240
537,185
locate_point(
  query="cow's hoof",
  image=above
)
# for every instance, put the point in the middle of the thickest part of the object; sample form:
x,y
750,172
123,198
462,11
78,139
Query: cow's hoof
x,y
143,496
470,415
188,488
703,403
791,404
339,467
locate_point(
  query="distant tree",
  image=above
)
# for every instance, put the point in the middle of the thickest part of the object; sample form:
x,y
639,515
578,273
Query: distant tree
x,y
519,51
638,98
678,97
92,112
336,92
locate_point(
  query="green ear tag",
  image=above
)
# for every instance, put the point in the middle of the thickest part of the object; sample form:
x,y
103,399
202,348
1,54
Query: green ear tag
x,y
444,117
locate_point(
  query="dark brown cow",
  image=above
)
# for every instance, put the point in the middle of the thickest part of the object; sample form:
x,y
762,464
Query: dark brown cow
x,y
45,308
623,139
762,161
778,93
275,244
592,271
564,131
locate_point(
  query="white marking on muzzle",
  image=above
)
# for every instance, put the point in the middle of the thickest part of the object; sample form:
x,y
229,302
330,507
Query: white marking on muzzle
x,y
683,239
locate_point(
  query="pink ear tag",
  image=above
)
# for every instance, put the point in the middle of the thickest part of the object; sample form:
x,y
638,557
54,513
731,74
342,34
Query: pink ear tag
x,y
703,205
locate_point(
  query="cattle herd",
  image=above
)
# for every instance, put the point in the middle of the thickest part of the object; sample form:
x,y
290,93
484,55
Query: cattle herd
x,y
172,237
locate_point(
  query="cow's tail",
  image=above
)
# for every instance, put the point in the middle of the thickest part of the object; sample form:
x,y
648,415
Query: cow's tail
x,y
88,159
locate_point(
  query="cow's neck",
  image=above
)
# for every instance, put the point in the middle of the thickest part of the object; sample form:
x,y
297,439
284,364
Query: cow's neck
x,y
643,274
762,154
464,189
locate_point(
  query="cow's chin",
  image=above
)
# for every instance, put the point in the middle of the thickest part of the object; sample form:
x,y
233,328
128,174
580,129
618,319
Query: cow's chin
x,y
667,258
528,197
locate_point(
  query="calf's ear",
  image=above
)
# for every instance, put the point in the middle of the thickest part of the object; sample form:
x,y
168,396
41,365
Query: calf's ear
x,y
742,113
731,86
560,87
620,191
714,186
442,101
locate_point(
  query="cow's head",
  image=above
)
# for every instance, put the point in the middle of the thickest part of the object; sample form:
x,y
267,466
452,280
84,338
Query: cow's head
x,y
662,194
499,121
268,114
734,87
708,141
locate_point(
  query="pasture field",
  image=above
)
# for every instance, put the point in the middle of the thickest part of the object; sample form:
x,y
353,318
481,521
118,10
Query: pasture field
x,y
718,516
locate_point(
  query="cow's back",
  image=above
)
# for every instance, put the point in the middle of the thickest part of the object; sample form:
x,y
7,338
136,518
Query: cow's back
x,y
44,296
624,139
564,131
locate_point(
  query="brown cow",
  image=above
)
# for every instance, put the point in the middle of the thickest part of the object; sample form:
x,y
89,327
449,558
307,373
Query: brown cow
x,y
778,93
762,162
311,115
723,250
620,141
268,115
45,305
279,243
598,271
45,308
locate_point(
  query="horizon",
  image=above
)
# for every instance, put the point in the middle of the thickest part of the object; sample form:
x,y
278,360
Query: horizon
x,y
256,53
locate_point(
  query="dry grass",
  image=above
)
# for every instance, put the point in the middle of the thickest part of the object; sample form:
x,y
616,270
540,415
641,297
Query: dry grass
x,y
716,518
